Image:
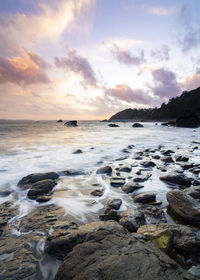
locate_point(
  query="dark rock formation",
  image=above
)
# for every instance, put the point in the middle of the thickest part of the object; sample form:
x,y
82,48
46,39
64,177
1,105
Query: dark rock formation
x,y
131,219
104,250
144,197
131,187
104,170
97,192
78,151
184,207
177,179
60,121
113,125
137,125
41,188
188,120
147,164
71,123
117,181
36,177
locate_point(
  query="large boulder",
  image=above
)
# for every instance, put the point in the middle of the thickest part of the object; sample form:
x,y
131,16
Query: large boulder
x,y
104,250
184,207
71,123
176,179
41,188
104,170
131,219
36,177
144,197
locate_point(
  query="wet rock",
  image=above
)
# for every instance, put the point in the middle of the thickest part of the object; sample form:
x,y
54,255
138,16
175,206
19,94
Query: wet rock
x,y
147,164
79,151
137,125
117,181
177,179
194,192
195,270
126,151
107,251
142,178
167,152
71,123
125,168
131,187
104,170
112,203
113,125
59,121
167,159
153,214
36,177
5,193
131,219
121,158
41,188
182,158
156,157
97,192
43,199
196,183
144,197
7,211
111,214
184,207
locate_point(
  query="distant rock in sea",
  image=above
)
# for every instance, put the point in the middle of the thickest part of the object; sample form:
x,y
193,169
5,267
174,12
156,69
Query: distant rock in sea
x,y
71,123
59,121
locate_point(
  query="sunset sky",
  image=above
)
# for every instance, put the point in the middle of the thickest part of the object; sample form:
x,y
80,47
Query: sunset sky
x,y
87,59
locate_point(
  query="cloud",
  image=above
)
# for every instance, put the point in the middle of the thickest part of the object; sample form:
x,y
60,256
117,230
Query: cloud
x,y
78,65
165,83
127,94
29,68
161,11
162,53
124,56
191,37
52,21
192,82
123,43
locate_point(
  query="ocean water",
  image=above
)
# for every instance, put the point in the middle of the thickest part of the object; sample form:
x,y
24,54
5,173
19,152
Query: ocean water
x,y
30,147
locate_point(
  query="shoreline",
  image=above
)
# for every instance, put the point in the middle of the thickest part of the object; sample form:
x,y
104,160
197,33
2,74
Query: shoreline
x,y
47,226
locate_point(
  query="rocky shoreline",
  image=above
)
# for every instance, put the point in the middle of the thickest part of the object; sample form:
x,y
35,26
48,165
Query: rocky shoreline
x,y
153,239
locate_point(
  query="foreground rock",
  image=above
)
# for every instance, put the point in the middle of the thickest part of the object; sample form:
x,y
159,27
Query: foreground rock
x,y
137,125
182,243
71,123
36,177
184,207
177,179
104,170
104,250
41,188
131,219
145,197
131,187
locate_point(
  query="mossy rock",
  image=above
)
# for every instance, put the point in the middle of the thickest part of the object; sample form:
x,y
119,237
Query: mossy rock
x,y
164,241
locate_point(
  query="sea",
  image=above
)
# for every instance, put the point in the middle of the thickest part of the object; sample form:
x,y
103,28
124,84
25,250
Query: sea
x,y
28,147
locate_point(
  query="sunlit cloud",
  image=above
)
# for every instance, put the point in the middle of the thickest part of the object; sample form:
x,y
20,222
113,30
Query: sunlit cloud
x,y
192,82
28,68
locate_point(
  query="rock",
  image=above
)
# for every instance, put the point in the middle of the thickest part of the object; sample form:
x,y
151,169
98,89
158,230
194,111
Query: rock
x,y
43,199
167,159
156,157
153,214
131,219
196,183
78,151
97,192
104,250
5,193
112,203
71,123
144,197
104,170
41,188
195,270
60,121
188,120
147,164
167,152
194,191
182,243
111,214
113,125
142,178
137,125
36,177
125,168
7,211
121,158
182,158
125,151
131,187
117,181
184,207
176,179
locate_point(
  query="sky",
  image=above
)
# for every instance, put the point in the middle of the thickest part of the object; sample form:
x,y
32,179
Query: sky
x,y
88,59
